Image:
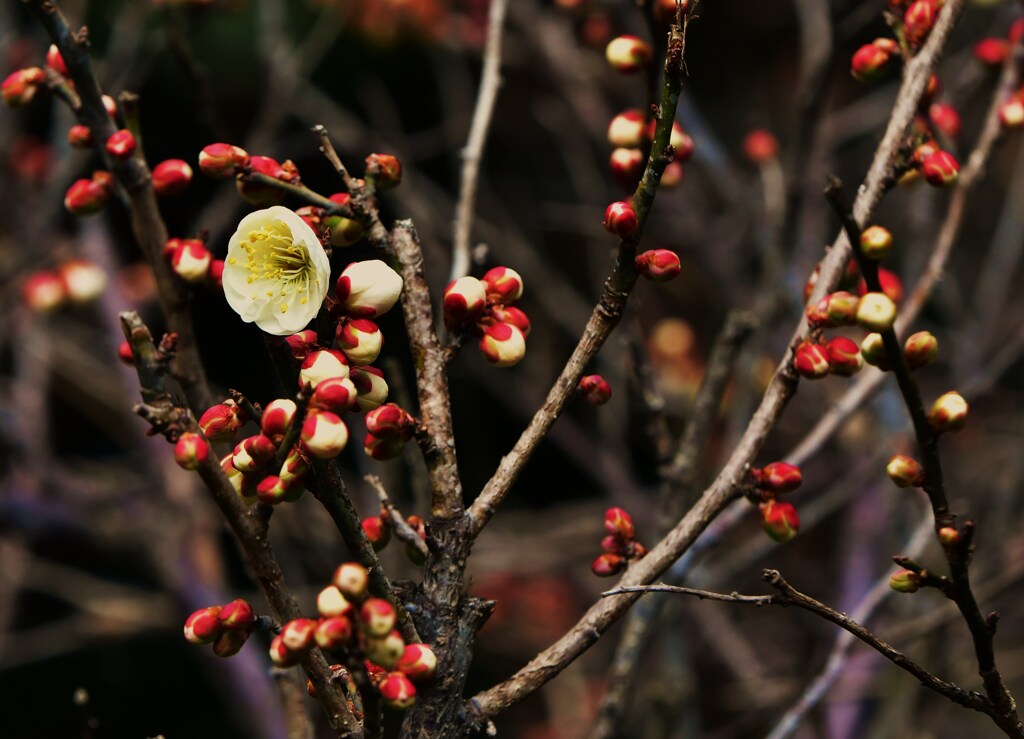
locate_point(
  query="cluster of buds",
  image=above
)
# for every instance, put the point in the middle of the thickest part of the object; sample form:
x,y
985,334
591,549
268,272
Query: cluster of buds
x,y
75,282
619,546
193,262
221,161
630,133
994,53
351,621
339,230
225,627
88,196
779,518
486,308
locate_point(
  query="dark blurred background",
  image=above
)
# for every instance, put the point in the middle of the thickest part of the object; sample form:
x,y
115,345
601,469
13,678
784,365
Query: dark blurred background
x,y
106,546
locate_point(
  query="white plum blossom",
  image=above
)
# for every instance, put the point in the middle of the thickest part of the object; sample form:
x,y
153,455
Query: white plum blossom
x,y
276,273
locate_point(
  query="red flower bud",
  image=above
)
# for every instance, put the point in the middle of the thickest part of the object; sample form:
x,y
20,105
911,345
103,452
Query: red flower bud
x,y
85,197
672,176
418,662
905,471
503,345
335,394
811,361
620,219
191,260
870,63
920,349
464,302
333,633
389,170
55,61
1011,113
780,477
779,520
383,449
844,357
220,422
229,643
608,564
918,20
44,291
277,417
595,389
626,131
876,243
377,532
949,536
324,435
320,365
302,344
257,193
389,421
396,691
905,581
203,626
281,655
124,353
619,523
221,161
190,451
945,119
370,385
872,349
19,87
298,635
171,177
351,579
628,54
272,490
331,602
658,265
121,144
948,413
940,169
504,285
237,615
626,166
835,309
253,454
385,650
992,52
377,617
80,137
760,146
344,231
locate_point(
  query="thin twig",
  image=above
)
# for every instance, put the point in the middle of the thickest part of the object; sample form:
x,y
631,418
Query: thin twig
x,y
403,531
490,81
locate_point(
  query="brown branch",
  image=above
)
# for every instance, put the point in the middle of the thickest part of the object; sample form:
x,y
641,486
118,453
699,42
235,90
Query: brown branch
x,y
611,304
403,531
722,491
490,81
249,528
134,176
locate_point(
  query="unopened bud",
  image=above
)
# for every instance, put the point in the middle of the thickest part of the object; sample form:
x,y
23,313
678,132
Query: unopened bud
x,y
595,389
626,166
85,197
19,87
389,170
418,662
504,285
220,422
333,633
385,650
905,471
876,312
760,146
608,564
870,63
948,413
940,168
323,364
203,626
221,161
672,176
658,265
43,292
191,260
389,421
377,532
351,579
844,357
121,144
281,655
360,340
344,231
190,451
811,361
84,281
918,20
335,394
229,643
80,137
257,193
992,52
872,348
397,691
301,344
620,219
503,345
55,61
253,454
780,477
619,523
383,449
277,417
1011,113
945,119
331,602
237,615
368,289
949,536
324,434
510,314
171,177
464,301
905,581
371,388
628,54
626,131
298,635
779,520
272,490
876,243
921,349
377,617
124,353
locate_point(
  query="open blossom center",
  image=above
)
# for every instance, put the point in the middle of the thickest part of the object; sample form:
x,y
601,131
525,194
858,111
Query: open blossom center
x,y
270,254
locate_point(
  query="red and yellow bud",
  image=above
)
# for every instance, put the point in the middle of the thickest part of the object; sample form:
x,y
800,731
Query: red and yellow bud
x,y
396,690
608,564
948,413
221,161
760,146
905,581
171,177
377,532
876,243
377,617
335,394
385,650
626,166
627,130
351,578
618,522
229,643
324,434
19,87
811,361
383,449
464,302
44,292
84,281
257,193
658,265
237,615
780,477
620,219
272,490
302,344
333,633
281,655
190,451
368,289
872,348
870,63
503,345
595,389
1011,112
322,364
277,417
253,454
121,144
80,137
918,20
920,349
298,635
203,626
628,54
344,231
945,119
949,536
191,260
220,422
876,312
504,286
905,471
86,197
360,340
510,314
389,421
779,520
389,170
940,168
418,662
844,357
331,602
371,388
